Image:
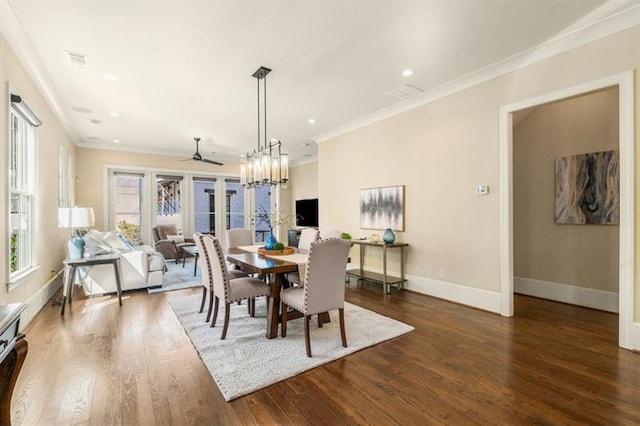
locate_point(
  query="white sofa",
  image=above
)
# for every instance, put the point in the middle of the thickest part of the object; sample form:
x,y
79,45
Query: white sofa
x,y
140,266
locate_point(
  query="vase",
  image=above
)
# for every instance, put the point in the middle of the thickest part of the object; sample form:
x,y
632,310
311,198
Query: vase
x,y
388,237
271,241
75,247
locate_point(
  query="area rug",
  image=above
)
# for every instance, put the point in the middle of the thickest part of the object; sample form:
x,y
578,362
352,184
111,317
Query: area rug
x,y
247,361
178,278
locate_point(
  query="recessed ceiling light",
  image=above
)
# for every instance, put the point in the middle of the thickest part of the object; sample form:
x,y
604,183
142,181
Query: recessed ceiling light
x,y
116,141
312,121
306,144
114,114
110,77
407,73
95,121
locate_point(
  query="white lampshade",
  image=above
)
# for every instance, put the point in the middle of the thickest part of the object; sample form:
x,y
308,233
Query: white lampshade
x,y
75,217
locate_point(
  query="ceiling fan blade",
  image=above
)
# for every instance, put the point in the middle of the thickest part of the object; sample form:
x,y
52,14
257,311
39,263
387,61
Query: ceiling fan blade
x,y
184,159
206,160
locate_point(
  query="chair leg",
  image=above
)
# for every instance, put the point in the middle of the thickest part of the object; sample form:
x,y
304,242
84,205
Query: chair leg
x,y
215,311
227,311
204,298
249,307
210,305
307,339
319,322
253,306
283,309
343,332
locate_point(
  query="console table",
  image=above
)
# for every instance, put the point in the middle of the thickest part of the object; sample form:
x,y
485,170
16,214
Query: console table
x,y
13,351
74,264
386,280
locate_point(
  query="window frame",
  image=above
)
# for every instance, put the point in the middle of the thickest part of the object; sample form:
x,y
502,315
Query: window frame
x,y
26,190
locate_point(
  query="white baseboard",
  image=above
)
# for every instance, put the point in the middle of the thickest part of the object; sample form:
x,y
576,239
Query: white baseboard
x,y
40,299
476,298
635,336
581,296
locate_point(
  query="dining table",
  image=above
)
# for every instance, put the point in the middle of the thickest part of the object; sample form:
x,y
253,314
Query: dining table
x,y
274,267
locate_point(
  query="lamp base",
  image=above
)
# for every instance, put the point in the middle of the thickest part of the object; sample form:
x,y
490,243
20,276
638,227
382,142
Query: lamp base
x,y
75,247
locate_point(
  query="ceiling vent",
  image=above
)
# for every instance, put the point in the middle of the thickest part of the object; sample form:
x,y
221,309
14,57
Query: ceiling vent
x,y
405,91
78,58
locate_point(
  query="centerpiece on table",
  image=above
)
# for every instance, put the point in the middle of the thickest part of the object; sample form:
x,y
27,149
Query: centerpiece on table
x,y
272,219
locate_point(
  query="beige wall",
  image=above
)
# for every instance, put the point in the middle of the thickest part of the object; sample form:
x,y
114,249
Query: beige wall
x,y
50,241
304,183
440,151
578,255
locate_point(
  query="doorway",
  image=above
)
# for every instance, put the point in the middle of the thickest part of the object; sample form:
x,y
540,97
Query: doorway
x,y
624,83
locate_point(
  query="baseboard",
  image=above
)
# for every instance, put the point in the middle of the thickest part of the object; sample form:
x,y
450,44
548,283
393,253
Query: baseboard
x,y
465,295
635,336
581,296
41,298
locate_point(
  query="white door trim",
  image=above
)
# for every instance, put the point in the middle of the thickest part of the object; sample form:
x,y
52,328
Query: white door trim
x,y
625,83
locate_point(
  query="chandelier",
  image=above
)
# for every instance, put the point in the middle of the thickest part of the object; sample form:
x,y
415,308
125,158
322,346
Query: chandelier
x,y
269,163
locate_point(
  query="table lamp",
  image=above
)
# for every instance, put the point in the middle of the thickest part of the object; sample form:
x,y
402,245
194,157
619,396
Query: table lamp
x,y
76,218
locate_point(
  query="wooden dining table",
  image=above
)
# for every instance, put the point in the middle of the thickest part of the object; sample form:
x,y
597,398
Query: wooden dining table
x,y
275,268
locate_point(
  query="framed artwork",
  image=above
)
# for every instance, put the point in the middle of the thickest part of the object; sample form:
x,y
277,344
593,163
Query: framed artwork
x,y
382,208
588,189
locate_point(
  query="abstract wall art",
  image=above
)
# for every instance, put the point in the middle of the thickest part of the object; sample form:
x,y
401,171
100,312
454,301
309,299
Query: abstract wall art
x,y
382,208
588,189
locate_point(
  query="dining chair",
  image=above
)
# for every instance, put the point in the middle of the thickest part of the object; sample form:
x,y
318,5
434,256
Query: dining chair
x,y
239,237
307,236
323,288
227,289
205,266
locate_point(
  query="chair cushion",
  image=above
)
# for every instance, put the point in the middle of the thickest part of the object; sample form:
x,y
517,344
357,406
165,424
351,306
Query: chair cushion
x,y
233,274
294,297
178,239
247,287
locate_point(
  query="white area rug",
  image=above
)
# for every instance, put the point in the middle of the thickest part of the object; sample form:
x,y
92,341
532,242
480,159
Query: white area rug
x,y
178,278
247,361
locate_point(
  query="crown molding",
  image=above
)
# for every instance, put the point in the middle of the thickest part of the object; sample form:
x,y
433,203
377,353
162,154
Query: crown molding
x,y
575,36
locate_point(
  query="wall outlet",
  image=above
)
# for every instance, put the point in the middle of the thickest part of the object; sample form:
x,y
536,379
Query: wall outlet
x,y
442,274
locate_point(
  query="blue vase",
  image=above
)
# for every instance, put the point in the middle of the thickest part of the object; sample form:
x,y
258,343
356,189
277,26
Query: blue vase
x,y
75,246
388,237
271,241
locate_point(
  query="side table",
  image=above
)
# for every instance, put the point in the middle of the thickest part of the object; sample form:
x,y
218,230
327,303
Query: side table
x,y
102,259
386,280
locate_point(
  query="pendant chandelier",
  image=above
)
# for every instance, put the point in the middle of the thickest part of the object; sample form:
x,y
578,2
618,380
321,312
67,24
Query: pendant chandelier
x,y
269,163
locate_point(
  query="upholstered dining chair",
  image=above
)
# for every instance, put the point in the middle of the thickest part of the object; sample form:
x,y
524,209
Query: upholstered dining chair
x,y
307,236
323,288
207,279
239,237
227,289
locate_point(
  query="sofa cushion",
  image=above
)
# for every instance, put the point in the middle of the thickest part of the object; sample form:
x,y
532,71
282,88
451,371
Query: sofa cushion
x,y
117,241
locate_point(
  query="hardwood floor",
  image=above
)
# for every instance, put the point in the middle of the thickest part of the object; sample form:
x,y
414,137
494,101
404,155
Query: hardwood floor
x,y
549,364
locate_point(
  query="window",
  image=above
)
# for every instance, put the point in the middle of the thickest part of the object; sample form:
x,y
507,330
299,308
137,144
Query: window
x,y
262,212
234,204
204,205
169,200
22,189
127,204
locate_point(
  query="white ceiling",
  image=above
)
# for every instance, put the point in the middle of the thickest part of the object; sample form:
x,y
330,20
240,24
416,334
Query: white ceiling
x,y
184,68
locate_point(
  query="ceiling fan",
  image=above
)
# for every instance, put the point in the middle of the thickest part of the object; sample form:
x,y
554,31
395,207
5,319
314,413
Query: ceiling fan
x,y
198,157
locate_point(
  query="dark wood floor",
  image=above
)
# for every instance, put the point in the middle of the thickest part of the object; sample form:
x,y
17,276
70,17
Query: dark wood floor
x,y
549,364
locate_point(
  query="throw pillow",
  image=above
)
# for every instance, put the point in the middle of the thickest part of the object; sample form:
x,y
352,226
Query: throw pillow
x,y
178,239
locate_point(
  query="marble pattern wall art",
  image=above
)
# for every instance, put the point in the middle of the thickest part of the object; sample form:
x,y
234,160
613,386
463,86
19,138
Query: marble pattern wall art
x,y
382,208
588,189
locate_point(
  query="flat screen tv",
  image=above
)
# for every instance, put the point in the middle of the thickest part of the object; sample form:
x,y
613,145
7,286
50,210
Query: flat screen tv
x,y
307,212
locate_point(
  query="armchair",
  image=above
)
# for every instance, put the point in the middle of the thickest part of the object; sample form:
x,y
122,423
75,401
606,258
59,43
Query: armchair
x,y
170,243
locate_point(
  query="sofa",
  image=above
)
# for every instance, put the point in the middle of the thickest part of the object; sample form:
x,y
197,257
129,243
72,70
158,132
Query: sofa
x,y
140,266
